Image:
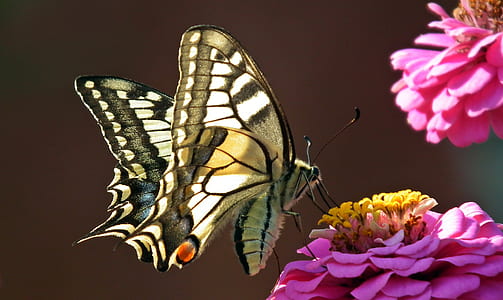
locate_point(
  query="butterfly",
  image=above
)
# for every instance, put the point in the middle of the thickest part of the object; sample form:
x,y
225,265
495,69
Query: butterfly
x,y
221,150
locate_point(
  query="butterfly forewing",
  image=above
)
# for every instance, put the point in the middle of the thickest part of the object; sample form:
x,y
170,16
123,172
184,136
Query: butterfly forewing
x,y
220,85
135,121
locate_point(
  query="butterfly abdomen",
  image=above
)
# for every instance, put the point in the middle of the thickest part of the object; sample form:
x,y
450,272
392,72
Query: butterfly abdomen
x,y
256,232
259,222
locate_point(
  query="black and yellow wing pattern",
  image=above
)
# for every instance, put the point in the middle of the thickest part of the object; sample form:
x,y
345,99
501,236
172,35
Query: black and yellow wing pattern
x,y
226,154
135,120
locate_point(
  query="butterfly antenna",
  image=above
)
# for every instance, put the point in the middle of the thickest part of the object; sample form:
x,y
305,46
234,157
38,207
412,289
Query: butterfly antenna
x,y
355,118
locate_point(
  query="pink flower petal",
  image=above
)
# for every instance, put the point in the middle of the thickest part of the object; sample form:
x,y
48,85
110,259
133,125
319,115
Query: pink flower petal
x,y
460,226
392,241
443,287
401,58
368,289
462,260
392,263
382,251
448,24
435,40
469,130
468,33
490,289
449,63
416,75
421,265
346,270
398,86
303,265
438,10
482,43
444,120
454,217
401,287
431,218
350,258
417,119
491,267
441,56
494,54
472,80
435,137
319,247
408,99
292,290
306,285
491,97
420,248
473,210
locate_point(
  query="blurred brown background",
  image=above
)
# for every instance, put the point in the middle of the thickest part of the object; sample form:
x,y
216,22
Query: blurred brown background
x,y
321,58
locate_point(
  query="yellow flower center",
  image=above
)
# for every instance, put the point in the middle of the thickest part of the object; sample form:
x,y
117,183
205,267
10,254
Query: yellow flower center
x,y
367,223
487,14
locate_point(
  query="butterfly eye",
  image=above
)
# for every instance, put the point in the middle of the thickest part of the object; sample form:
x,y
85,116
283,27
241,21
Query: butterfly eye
x,y
315,173
187,251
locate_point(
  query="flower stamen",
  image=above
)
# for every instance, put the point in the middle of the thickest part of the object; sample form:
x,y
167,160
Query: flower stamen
x,y
487,14
367,223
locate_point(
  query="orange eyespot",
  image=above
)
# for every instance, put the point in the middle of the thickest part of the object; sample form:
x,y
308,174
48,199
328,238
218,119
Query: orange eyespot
x,y
186,252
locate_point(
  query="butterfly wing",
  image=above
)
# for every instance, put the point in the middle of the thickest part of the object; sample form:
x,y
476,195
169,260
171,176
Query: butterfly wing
x,y
135,121
231,143
221,85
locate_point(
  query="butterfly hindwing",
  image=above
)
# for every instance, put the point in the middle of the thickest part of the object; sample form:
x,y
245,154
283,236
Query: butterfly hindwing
x,y
212,176
135,121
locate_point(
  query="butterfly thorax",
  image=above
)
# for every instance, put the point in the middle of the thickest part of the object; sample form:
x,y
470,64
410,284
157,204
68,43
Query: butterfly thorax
x,y
295,184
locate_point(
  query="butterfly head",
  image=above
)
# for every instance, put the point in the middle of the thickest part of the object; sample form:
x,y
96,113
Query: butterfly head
x,y
314,174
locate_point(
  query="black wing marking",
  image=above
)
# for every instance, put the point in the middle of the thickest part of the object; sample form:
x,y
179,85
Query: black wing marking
x,y
135,121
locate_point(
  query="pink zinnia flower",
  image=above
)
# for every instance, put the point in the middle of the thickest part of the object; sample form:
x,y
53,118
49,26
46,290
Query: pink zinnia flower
x,y
457,91
393,247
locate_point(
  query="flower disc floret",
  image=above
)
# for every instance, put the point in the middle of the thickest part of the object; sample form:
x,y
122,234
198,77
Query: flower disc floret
x,y
365,224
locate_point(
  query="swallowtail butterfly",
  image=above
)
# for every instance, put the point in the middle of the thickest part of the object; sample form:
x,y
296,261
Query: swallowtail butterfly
x,y
220,150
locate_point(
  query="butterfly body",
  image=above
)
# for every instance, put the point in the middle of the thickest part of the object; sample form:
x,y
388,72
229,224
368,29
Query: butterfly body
x,y
220,150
